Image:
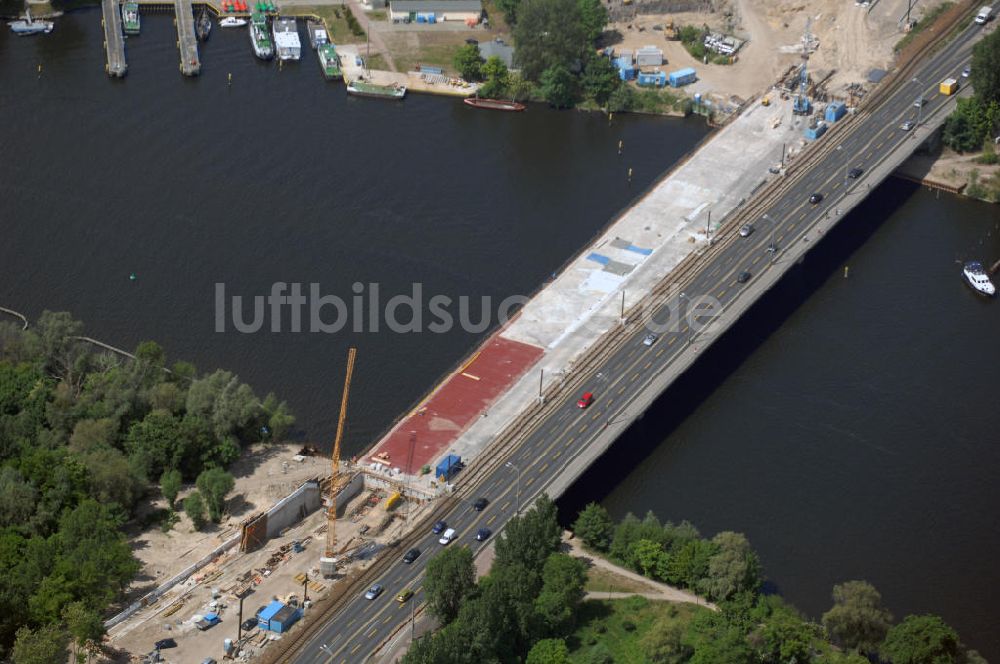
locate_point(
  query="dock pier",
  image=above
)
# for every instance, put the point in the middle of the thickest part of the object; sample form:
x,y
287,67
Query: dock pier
x,y
114,40
187,42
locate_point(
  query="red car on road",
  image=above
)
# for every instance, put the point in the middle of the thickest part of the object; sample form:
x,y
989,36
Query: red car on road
x,y
585,400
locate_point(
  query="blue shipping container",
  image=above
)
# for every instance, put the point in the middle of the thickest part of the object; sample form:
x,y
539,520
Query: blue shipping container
x,y
812,133
448,466
835,110
658,79
683,77
430,70
626,73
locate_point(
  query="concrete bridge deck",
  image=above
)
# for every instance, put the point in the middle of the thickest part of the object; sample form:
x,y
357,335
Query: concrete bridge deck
x,y
187,41
114,40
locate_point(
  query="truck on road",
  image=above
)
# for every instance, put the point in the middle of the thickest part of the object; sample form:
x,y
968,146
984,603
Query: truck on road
x,y
984,15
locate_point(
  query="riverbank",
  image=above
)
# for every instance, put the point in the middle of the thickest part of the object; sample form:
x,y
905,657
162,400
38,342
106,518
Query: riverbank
x,y
954,172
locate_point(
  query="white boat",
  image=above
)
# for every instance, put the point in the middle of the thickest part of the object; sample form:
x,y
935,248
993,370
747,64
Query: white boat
x,y
286,39
260,38
29,27
976,276
232,22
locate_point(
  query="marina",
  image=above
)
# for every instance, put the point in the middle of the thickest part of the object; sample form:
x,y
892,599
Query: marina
x,y
329,62
29,26
260,38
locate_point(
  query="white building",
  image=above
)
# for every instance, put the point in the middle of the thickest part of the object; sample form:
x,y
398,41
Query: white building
x,y
432,11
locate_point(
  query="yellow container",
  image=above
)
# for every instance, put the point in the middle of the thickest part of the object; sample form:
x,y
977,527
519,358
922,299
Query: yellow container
x,y
949,86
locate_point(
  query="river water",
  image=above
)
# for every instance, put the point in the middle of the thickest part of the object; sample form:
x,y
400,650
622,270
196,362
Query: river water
x,y
847,426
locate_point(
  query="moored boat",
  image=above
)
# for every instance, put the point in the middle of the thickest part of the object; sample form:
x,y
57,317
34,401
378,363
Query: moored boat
x,y
28,26
329,61
317,34
203,26
361,88
260,39
495,104
286,39
232,22
130,18
978,278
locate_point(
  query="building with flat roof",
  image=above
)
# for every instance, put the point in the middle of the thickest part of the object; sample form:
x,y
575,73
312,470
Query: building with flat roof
x,y
498,48
436,10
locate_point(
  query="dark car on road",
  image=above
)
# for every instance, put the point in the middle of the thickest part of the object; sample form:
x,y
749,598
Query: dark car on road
x,y
480,504
411,555
816,198
855,173
744,277
439,527
483,534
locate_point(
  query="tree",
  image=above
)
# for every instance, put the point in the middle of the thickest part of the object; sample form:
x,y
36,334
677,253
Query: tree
x,y
279,416
62,353
18,503
559,86
112,478
549,33
689,565
528,540
549,651
650,559
563,579
170,485
214,484
734,568
593,18
497,78
921,640
157,442
194,507
594,527
45,645
664,643
985,74
599,79
468,62
965,127
857,620
450,578
224,402
510,10
785,637
84,624
89,435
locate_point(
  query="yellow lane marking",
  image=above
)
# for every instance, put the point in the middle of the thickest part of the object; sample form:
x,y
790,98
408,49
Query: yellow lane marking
x,y
722,291
505,506
756,260
355,648
557,455
529,481
352,622
621,389
789,227
372,632
492,518
869,154
388,618
658,353
583,427
672,340
648,365
594,416
836,184
544,467
781,237
634,376
803,215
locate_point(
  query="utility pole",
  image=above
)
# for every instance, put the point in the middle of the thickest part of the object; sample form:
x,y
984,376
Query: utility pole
x,y
239,630
708,224
623,307
305,590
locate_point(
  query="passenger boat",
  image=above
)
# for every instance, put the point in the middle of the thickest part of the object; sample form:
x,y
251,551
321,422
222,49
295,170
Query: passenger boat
x,y
286,39
232,22
27,26
130,18
203,26
329,61
494,104
317,34
976,276
260,38
361,88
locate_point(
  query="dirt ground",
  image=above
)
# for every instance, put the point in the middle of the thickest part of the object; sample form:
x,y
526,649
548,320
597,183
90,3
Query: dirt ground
x,y
433,45
264,475
850,40
948,167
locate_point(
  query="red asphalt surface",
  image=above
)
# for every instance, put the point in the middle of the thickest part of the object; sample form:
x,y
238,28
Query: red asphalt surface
x,y
457,402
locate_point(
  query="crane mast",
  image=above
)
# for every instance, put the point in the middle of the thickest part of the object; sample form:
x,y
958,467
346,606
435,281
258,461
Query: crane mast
x,y
328,563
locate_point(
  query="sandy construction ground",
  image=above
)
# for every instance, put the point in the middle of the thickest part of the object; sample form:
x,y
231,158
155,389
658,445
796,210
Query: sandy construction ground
x,y
850,40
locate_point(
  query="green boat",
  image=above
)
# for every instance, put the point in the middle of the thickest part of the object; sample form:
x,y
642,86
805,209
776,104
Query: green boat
x,y
361,88
130,18
329,61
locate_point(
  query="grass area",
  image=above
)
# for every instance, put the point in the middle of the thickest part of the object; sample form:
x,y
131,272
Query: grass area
x,y
377,15
377,61
617,628
922,25
605,581
335,18
436,49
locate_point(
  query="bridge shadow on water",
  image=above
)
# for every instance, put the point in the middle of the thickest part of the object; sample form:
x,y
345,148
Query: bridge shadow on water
x,y
717,363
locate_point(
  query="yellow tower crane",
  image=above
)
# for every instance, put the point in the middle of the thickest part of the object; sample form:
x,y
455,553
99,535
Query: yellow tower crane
x,y
328,563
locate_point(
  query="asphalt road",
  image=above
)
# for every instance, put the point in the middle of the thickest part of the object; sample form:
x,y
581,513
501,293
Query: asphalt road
x,y
352,634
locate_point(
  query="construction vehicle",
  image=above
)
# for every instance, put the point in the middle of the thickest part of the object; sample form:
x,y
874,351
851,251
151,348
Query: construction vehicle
x,y
328,562
671,32
766,101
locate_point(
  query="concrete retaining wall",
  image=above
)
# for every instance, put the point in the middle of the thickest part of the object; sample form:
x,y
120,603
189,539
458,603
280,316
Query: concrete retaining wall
x,y
293,508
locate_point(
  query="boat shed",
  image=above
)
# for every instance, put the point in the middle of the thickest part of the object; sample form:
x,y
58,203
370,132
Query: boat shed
x,y
277,617
440,10
498,48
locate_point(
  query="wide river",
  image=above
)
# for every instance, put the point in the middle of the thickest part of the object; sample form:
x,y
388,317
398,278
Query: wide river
x,y
848,426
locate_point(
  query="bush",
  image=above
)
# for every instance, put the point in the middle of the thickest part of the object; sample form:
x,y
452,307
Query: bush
x,y
628,626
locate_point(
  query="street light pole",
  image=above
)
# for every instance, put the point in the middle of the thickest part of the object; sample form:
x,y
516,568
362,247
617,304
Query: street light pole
x,y
517,488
